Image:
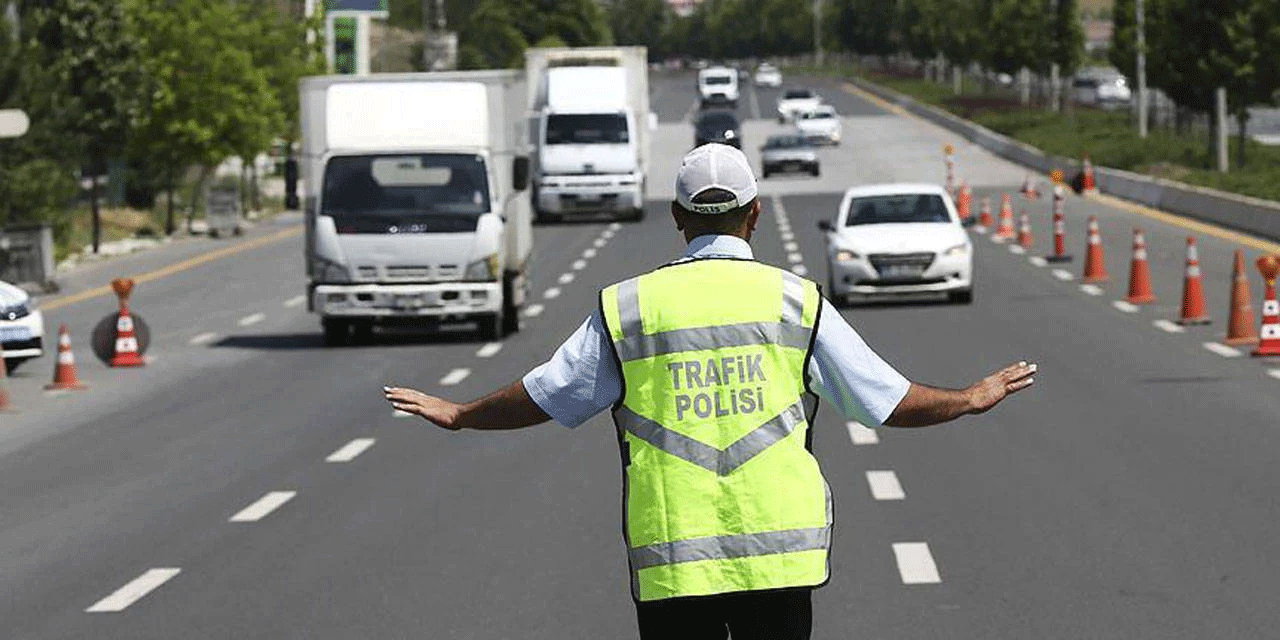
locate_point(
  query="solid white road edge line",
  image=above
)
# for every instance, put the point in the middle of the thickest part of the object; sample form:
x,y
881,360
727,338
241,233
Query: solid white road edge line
x,y
1091,289
860,434
885,486
134,591
1168,326
1125,306
253,319
295,301
454,377
1223,350
350,450
915,563
203,338
263,506
489,350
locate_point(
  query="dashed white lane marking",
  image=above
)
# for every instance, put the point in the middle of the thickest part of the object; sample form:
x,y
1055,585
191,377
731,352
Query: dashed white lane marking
x,y
799,270
915,563
860,434
1222,350
791,246
253,319
203,338
1274,373
454,377
295,301
1038,261
552,293
533,310
885,485
579,265
589,253
1017,249
1125,306
263,506
614,226
1091,289
350,450
1168,326
980,230
401,414
795,258
134,591
787,236
607,234
1063,275
565,278
489,350
600,243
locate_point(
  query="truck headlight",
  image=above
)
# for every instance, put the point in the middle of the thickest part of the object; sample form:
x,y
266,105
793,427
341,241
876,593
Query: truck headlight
x,y
958,250
333,272
483,269
844,255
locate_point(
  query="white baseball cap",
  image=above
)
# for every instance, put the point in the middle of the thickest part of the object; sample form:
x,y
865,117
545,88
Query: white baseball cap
x,y
715,166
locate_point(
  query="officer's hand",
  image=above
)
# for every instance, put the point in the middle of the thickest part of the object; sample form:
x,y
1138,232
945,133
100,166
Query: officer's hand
x,y
436,410
999,385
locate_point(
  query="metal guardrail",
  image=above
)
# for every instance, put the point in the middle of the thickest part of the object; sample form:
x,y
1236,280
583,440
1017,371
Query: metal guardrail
x,y
1254,216
26,256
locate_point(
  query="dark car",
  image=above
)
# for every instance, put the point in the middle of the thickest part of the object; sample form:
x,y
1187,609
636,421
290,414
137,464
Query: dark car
x,y
717,126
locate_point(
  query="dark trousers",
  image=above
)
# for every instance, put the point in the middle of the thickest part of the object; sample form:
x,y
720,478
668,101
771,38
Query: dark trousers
x,y
780,614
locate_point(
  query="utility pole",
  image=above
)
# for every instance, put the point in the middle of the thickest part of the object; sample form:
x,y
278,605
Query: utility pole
x,y
1140,23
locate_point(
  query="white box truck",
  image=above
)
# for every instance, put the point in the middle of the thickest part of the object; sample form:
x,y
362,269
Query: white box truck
x,y
591,130
416,205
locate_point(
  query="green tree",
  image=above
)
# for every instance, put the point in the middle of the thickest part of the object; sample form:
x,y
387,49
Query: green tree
x,y
1123,52
1066,36
491,39
1015,36
639,22
867,27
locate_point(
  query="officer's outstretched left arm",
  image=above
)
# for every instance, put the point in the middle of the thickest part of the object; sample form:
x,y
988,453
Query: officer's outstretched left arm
x,y
508,408
924,406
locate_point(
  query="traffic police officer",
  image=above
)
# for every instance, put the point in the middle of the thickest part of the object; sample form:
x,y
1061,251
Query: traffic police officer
x,y
713,366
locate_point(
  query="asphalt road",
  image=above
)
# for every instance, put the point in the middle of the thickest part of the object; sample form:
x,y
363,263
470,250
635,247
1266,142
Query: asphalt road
x,y
1130,493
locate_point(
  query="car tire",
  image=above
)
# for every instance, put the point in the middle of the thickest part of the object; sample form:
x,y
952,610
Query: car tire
x,y
964,296
337,333
815,171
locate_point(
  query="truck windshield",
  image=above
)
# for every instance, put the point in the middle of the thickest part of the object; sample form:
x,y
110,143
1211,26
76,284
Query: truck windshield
x,y
587,128
420,192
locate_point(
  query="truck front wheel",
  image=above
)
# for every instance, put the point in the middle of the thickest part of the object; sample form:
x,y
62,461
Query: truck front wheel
x,y
337,332
510,312
491,326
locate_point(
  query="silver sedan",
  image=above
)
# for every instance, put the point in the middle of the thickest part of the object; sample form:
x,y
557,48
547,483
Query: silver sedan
x,y
788,152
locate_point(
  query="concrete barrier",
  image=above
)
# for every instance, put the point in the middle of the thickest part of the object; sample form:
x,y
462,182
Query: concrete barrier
x,y
1254,216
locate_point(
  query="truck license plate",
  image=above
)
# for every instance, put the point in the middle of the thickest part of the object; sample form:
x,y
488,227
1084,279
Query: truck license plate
x,y
15,334
407,301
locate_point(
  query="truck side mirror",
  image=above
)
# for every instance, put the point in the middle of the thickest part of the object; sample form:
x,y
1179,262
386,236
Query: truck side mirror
x,y
520,173
825,225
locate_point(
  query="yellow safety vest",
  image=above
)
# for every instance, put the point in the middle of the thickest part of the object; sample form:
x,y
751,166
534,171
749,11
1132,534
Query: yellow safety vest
x,y
721,491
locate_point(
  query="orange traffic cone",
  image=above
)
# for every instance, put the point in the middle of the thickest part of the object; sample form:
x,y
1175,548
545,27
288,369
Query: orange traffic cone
x,y
1029,190
1240,327
64,372
1269,345
1005,230
1095,268
126,354
1089,183
984,218
1059,227
1140,272
964,203
1024,232
1193,307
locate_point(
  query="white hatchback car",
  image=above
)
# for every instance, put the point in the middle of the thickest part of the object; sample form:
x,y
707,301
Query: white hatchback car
x,y
768,76
21,327
898,239
820,125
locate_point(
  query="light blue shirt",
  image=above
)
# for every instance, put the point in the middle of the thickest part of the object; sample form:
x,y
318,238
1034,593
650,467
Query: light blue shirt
x,y
582,379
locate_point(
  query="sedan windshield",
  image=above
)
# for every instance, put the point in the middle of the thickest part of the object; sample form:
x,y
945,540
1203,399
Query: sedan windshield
x,y
784,142
913,207
422,192
587,128
720,121
801,94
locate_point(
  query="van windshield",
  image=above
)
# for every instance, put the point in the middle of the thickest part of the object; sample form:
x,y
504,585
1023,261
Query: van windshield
x,y
913,207
433,192
587,128
709,80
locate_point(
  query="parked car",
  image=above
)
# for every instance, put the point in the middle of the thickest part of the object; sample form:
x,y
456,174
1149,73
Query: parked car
x,y
788,153
1110,92
21,327
897,239
795,101
717,125
820,125
768,76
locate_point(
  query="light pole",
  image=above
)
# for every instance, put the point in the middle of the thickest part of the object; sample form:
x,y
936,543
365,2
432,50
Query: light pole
x,y
1140,23
817,32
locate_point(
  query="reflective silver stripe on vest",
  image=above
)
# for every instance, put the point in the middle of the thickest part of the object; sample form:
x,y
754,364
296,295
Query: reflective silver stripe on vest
x,y
636,347
741,545
792,298
629,307
725,461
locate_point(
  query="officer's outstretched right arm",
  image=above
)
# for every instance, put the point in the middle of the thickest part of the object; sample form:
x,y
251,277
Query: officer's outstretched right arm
x,y
925,406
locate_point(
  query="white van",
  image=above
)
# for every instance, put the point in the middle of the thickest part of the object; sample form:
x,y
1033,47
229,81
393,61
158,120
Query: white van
x,y
718,86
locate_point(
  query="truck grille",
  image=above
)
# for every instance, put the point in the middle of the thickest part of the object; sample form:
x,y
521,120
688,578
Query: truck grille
x,y
414,272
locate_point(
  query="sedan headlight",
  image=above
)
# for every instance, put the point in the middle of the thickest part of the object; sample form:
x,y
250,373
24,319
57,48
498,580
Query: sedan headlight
x,y
20,310
844,255
483,269
958,250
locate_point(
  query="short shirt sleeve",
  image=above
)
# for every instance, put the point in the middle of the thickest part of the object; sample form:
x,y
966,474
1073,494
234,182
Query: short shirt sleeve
x,y
581,379
848,374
